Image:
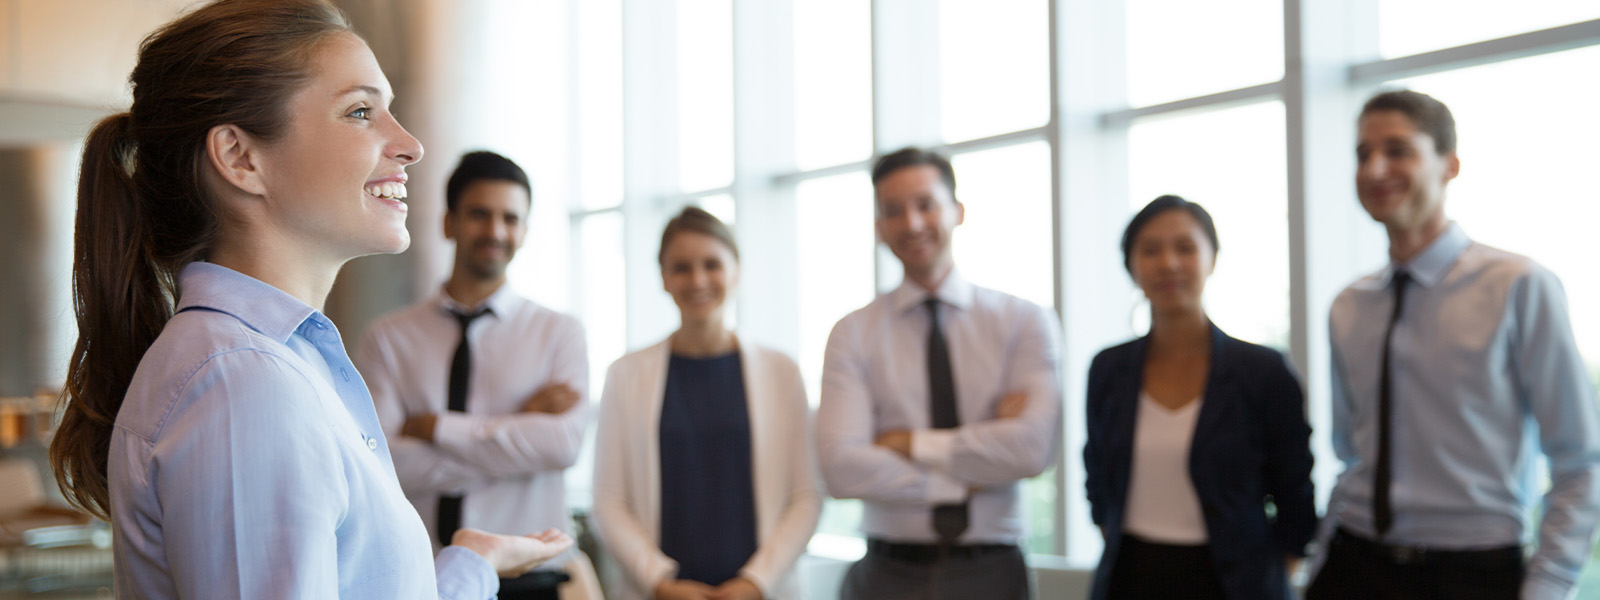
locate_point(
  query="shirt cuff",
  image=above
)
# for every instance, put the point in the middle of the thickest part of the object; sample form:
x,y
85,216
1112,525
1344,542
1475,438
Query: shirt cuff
x,y
451,427
1542,587
944,489
764,586
463,575
932,448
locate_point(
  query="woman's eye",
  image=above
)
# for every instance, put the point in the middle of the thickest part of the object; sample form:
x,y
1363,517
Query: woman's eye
x,y
362,113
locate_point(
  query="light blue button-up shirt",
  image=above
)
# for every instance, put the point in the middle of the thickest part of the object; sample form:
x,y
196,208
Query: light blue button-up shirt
x,y
1486,375
247,462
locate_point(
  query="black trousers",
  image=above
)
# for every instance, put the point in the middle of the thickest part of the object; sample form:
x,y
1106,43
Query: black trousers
x,y
1363,569
1151,571
533,585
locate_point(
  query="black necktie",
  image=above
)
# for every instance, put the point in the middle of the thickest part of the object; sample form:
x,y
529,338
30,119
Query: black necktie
x,y
1382,511
949,520
460,370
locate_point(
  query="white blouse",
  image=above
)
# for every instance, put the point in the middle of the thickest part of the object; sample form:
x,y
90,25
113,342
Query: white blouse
x,y
1162,505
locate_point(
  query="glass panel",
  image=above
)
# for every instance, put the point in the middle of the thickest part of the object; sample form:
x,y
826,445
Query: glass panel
x,y
604,293
1232,162
1178,49
1005,242
535,137
994,67
833,82
705,94
601,306
1413,26
599,118
835,228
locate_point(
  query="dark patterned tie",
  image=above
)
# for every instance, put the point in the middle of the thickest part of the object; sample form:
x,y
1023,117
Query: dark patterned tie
x,y
949,520
1382,511
460,370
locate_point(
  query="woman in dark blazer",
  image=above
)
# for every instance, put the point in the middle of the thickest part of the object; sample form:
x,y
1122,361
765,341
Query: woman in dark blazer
x,y
1198,459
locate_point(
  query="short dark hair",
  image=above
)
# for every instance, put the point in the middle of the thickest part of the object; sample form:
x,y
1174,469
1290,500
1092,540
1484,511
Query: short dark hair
x,y
911,157
1427,113
693,219
483,165
1154,209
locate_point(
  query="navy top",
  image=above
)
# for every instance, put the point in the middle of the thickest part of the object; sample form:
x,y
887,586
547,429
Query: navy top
x,y
708,509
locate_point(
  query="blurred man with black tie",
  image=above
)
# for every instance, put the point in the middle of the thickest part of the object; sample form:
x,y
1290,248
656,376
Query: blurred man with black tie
x,y
1453,367
482,392
938,398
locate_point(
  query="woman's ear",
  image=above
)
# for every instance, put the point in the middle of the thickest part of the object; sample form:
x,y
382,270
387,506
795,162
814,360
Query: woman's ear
x,y
236,157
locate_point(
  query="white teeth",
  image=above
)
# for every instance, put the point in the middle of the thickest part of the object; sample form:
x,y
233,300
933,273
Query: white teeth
x,y
393,190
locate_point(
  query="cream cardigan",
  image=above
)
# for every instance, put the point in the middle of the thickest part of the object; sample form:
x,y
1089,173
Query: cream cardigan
x,y
627,471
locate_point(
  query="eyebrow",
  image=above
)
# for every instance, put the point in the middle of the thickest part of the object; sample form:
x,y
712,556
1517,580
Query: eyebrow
x,y
360,88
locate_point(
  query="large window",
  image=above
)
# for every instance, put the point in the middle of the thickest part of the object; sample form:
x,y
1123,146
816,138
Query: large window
x,y
1245,106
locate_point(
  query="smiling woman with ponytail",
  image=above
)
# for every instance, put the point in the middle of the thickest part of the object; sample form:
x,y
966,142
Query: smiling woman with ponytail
x,y
212,414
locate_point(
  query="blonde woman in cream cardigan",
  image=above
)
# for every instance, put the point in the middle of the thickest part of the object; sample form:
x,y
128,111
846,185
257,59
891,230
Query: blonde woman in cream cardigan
x,y
705,485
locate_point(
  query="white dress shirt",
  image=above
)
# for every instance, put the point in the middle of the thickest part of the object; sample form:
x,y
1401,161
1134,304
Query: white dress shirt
x,y
1162,504
875,379
508,464
1485,375
627,470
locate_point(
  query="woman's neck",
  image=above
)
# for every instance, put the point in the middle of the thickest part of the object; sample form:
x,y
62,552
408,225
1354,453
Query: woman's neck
x,y
704,338
307,278
1179,333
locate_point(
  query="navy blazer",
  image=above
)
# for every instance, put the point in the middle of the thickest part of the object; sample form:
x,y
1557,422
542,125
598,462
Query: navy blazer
x,y
1251,449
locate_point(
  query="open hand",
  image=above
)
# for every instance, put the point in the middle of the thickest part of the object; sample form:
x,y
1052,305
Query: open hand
x,y
513,555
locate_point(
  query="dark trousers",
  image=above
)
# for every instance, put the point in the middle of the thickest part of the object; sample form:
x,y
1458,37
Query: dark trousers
x,y
917,572
1151,571
533,585
1363,569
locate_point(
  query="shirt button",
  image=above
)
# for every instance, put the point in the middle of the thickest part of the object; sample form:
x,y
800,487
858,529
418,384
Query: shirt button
x,y
372,443
345,373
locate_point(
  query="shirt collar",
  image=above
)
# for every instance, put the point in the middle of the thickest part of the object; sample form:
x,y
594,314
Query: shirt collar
x,y
498,303
264,308
955,290
1429,266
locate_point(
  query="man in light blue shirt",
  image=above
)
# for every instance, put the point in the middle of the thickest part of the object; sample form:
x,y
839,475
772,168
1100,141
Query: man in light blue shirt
x,y
1453,367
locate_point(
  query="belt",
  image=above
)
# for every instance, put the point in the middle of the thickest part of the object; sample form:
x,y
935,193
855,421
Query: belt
x,y
933,553
1492,558
533,581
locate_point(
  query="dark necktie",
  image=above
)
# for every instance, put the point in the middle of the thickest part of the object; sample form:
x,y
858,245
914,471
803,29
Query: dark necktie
x,y
949,520
1382,511
460,370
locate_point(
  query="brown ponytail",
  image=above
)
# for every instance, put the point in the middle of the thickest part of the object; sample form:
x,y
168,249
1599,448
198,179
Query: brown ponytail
x,y
143,207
